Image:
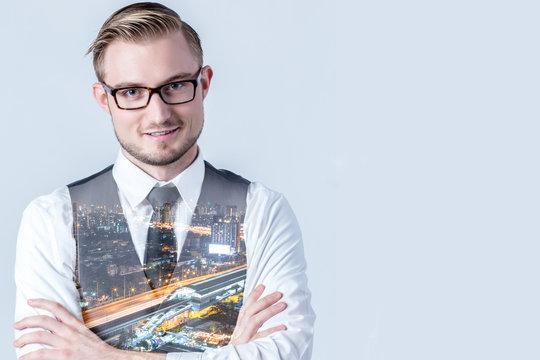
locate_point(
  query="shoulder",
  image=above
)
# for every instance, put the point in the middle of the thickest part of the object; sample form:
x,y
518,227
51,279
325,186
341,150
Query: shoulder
x,y
225,174
260,197
107,170
45,232
268,213
54,204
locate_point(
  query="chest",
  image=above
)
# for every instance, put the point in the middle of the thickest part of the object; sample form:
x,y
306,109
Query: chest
x,y
199,305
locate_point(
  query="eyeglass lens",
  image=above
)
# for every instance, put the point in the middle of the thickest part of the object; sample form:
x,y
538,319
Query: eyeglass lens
x,y
174,93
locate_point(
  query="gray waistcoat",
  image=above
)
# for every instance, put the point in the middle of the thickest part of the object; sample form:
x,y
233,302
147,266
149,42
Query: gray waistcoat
x,y
200,307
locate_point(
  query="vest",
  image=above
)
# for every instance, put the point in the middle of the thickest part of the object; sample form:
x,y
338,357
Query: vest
x,y
200,306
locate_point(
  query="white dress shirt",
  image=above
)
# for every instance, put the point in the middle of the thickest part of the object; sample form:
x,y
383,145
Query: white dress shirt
x,y
45,260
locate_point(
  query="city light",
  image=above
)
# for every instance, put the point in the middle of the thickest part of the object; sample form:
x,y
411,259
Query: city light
x,y
197,302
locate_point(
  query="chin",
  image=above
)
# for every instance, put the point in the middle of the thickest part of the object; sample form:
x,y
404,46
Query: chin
x,y
159,157
164,154
161,160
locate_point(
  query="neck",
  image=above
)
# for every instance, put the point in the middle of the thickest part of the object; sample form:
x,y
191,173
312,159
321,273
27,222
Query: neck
x,y
166,172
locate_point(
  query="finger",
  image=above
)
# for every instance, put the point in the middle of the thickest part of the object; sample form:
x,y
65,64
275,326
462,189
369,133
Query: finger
x,y
252,324
253,296
267,332
39,337
263,303
39,321
57,310
268,313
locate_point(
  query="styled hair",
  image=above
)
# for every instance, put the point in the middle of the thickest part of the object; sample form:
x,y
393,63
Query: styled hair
x,y
139,22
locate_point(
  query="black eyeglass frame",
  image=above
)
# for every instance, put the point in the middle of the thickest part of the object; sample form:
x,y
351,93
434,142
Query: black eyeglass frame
x,y
151,91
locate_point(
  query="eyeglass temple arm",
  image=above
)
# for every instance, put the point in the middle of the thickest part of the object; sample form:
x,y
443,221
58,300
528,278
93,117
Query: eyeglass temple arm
x,y
107,88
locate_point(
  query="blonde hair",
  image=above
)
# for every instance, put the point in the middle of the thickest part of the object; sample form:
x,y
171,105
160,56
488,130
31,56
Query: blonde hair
x,y
139,22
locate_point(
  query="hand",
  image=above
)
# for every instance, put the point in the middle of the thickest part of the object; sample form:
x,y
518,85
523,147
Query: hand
x,y
71,339
68,337
254,313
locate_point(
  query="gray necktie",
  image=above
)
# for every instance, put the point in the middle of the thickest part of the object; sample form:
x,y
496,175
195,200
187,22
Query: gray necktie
x,y
161,249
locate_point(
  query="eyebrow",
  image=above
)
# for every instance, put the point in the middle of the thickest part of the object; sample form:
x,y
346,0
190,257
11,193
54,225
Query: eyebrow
x,y
179,76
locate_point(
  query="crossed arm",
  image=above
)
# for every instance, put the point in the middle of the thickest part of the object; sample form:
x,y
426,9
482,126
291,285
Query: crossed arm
x,y
44,268
70,339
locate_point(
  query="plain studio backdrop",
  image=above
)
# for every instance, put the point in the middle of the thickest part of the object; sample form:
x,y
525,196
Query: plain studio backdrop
x,y
403,133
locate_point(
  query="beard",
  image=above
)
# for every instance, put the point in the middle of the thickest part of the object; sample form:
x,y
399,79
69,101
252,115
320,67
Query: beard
x,y
157,159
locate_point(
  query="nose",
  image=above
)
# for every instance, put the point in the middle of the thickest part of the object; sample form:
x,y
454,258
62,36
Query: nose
x,y
157,110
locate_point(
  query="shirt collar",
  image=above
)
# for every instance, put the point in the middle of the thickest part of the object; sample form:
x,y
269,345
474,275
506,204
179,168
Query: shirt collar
x,y
135,184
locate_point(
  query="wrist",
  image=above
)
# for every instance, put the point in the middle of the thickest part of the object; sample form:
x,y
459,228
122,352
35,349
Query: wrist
x,y
117,354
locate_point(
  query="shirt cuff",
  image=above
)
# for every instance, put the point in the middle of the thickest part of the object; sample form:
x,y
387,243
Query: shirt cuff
x,y
185,356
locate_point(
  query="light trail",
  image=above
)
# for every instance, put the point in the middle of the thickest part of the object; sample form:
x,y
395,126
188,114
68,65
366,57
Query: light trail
x,y
125,307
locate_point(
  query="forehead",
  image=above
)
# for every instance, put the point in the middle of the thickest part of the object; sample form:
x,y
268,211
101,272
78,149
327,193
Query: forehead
x,y
148,62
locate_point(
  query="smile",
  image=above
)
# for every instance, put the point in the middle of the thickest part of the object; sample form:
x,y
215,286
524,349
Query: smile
x,y
163,135
161,132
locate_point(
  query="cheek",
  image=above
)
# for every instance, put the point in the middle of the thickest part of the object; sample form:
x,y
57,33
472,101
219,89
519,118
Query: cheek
x,y
125,124
194,124
196,119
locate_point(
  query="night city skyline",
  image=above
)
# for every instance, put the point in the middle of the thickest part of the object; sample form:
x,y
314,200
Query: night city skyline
x,y
198,305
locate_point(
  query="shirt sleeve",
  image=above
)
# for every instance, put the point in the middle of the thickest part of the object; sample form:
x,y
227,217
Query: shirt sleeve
x,y
44,268
275,259
44,263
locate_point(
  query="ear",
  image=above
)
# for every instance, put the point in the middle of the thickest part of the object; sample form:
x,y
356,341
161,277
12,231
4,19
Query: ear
x,y
101,96
206,78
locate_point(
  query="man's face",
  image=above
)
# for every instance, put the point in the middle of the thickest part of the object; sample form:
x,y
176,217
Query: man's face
x,y
159,134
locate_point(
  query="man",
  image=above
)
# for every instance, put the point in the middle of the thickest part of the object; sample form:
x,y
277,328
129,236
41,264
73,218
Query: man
x,y
161,227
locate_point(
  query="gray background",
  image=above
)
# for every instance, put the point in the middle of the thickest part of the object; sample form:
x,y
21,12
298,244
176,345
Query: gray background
x,y
404,134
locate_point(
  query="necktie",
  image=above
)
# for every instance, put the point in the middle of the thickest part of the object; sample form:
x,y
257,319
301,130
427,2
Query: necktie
x,y
161,249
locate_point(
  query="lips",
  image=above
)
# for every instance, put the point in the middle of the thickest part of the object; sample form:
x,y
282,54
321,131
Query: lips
x,y
160,133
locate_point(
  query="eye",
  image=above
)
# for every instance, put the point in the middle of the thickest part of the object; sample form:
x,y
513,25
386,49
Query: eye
x,y
174,86
132,92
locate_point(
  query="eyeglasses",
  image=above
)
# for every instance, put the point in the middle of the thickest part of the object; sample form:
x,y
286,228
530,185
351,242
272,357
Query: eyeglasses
x,y
173,93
